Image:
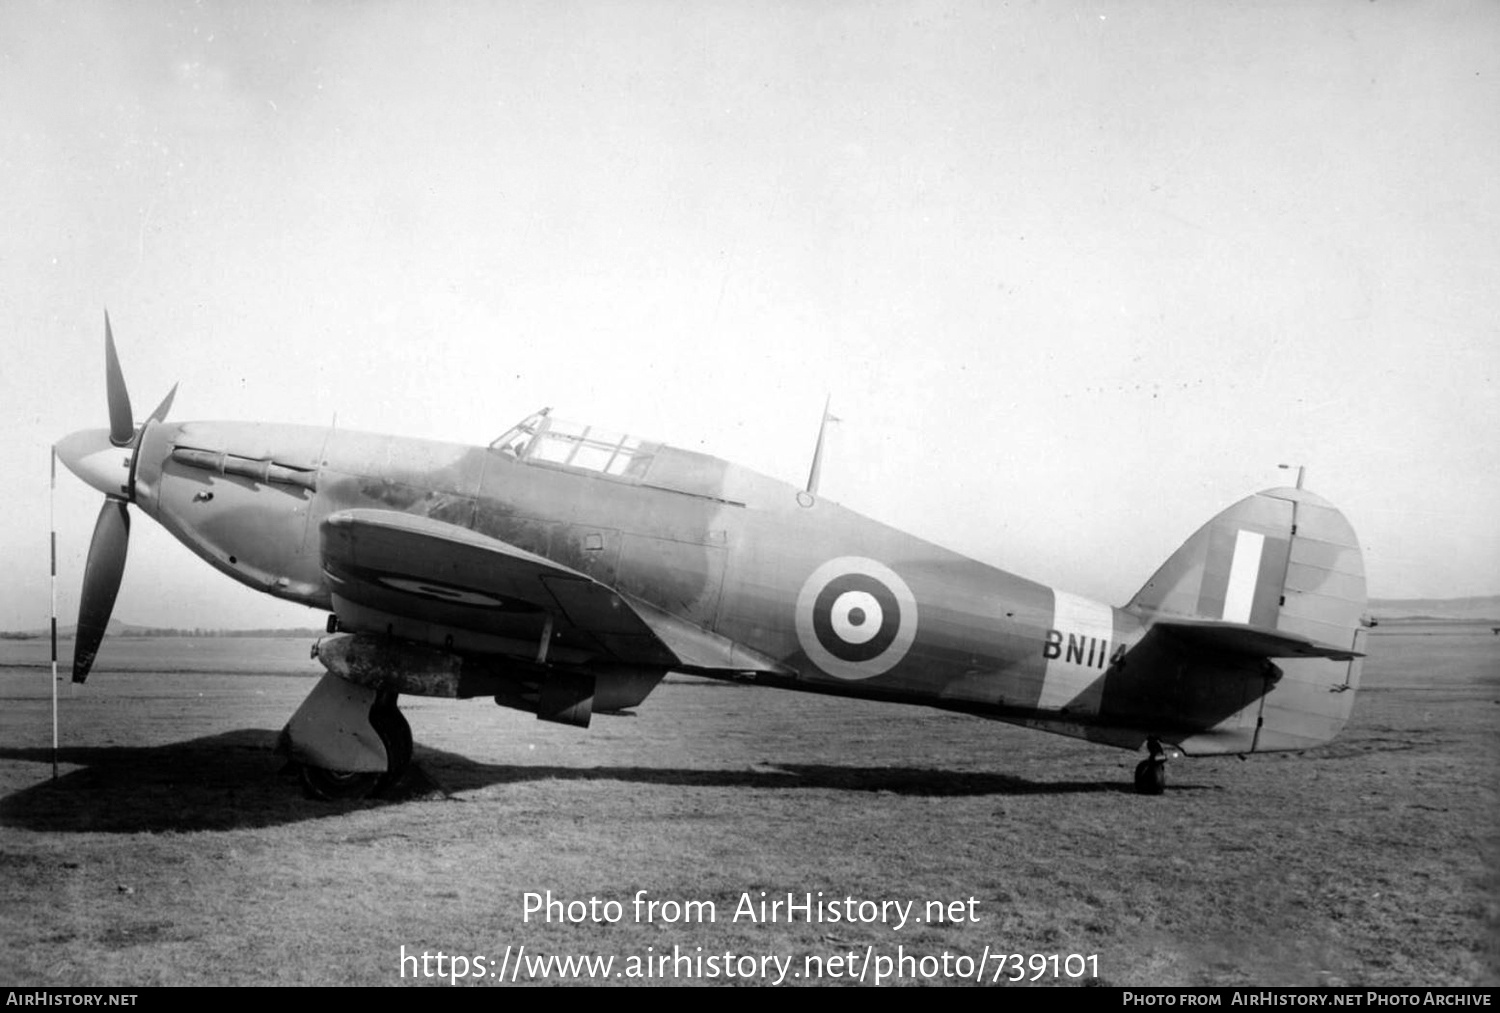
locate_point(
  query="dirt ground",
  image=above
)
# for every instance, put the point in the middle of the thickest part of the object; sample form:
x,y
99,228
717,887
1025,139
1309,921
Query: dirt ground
x,y
172,849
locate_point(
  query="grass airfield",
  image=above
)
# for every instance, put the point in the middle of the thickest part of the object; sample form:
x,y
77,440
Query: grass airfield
x,y
173,849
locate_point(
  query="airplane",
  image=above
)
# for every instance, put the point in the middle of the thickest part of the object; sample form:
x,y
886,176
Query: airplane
x,y
564,569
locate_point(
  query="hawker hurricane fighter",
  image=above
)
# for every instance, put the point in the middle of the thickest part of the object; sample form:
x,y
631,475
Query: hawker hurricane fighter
x,y
564,569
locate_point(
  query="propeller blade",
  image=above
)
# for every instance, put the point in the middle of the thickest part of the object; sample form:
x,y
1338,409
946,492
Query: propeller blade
x,y
121,421
101,583
160,414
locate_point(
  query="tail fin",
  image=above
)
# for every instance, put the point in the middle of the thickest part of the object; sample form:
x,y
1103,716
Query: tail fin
x,y
1278,575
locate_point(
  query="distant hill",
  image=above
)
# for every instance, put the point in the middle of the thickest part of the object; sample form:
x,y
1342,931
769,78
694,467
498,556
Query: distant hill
x,y
1486,607
116,628
1483,607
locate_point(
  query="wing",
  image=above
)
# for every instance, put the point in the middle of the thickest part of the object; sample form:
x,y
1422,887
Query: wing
x,y
438,583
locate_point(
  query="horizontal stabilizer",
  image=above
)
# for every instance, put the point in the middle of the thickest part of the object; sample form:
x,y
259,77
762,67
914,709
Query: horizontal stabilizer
x,y
1254,641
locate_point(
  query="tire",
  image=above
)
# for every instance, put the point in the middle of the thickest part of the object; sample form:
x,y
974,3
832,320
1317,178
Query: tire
x,y
395,734
1150,777
338,785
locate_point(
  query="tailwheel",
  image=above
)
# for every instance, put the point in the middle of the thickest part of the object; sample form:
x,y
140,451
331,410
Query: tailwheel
x,y
1151,773
1151,776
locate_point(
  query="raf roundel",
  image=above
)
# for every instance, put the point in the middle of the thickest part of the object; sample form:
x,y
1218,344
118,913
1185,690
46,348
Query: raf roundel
x,y
855,618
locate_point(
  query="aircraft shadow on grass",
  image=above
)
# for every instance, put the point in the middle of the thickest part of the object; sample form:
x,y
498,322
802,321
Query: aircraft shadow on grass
x,y
236,780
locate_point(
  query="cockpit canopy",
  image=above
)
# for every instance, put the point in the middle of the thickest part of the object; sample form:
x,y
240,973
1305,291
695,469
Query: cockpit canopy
x,y
544,439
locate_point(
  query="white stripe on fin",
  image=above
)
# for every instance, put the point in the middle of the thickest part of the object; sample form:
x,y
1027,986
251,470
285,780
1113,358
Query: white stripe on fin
x,y
1244,573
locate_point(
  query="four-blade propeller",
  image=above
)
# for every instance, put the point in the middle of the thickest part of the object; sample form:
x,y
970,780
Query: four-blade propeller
x,y
94,455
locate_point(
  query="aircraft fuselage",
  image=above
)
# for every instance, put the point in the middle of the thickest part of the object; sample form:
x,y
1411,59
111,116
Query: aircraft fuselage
x,y
845,604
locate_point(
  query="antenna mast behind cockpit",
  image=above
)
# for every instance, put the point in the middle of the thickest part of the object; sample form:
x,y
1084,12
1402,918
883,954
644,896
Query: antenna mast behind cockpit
x,y
817,462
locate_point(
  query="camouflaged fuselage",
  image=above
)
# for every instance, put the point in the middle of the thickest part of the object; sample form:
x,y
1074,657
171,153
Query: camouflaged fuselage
x,y
843,604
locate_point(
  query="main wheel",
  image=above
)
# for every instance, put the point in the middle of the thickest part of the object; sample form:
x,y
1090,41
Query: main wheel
x,y
395,734
336,785
1151,776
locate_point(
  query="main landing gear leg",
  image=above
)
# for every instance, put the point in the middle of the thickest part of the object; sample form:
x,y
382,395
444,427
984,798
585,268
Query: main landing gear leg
x,y
1151,773
350,741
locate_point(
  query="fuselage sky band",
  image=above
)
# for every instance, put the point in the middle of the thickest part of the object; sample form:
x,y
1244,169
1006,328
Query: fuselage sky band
x,y
564,569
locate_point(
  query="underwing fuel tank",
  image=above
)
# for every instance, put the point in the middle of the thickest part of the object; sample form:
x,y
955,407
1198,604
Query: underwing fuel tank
x,y
397,666
566,695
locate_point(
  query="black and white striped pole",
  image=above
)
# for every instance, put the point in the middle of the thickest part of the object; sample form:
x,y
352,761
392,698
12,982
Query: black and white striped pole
x,y
52,526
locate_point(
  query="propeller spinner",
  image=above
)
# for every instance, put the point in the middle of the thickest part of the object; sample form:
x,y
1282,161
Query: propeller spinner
x,y
105,459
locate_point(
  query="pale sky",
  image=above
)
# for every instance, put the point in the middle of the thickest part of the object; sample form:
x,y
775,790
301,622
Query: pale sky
x,y
1077,276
